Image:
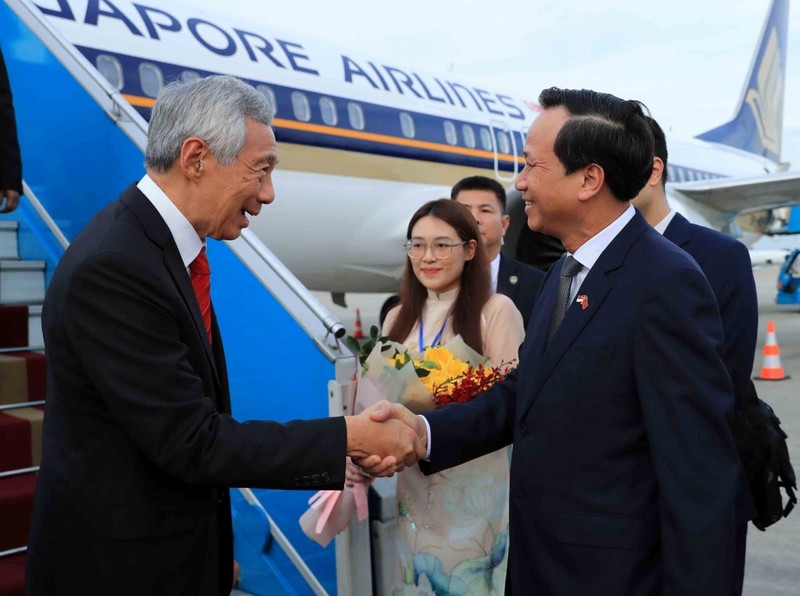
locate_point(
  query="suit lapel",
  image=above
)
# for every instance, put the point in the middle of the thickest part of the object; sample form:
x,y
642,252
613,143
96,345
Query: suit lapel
x,y
504,272
157,230
595,288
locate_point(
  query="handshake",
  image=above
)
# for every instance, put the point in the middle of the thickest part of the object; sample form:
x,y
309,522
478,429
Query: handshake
x,y
385,438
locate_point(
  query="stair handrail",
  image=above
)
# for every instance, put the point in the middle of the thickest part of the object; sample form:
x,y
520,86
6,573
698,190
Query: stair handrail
x,y
104,93
285,544
31,197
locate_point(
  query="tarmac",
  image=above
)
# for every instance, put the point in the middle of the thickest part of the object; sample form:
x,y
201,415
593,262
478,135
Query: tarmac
x,y
773,556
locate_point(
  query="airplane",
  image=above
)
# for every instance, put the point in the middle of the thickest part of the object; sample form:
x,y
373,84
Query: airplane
x,y
364,142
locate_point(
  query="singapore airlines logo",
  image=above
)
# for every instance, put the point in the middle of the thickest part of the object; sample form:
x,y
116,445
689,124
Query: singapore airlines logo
x,y
765,100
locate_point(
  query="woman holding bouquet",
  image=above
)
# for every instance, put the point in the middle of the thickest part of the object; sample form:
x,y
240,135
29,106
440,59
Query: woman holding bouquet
x,y
452,529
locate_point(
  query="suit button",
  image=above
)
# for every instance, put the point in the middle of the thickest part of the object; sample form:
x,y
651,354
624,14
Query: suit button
x,y
325,477
523,429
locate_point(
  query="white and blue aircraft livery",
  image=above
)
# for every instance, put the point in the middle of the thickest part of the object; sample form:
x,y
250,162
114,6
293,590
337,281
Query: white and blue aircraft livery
x,y
364,142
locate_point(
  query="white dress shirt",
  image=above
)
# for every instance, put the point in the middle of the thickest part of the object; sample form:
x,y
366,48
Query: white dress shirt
x,y
186,238
591,250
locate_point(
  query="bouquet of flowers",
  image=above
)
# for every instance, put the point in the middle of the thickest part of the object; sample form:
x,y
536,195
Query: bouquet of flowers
x,y
452,373
441,375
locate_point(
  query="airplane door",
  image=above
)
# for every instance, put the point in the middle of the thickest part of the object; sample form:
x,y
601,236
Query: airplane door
x,y
504,143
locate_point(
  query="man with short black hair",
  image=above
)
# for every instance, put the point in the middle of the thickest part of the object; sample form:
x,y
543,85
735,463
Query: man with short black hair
x,y
624,472
486,200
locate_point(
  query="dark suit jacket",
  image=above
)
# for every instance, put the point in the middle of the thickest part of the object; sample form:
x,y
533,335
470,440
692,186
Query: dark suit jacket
x,y
10,162
520,282
726,264
139,445
624,471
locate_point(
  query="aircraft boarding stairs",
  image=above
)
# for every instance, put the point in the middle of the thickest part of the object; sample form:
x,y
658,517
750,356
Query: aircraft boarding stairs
x,y
82,144
22,391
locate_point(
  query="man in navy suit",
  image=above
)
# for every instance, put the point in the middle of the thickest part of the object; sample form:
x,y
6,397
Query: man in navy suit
x,y
486,200
624,472
726,264
139,445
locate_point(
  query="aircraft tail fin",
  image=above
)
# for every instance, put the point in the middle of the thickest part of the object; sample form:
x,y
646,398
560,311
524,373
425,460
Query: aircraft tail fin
x,y
757,126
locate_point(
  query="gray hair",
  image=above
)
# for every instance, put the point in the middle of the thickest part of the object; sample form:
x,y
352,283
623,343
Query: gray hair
x,y
213,109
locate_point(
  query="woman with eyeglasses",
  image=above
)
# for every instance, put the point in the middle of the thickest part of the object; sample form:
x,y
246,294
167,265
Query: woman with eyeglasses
x,y
452,529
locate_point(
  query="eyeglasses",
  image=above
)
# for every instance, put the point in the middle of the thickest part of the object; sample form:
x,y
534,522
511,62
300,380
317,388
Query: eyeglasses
x,y
440,250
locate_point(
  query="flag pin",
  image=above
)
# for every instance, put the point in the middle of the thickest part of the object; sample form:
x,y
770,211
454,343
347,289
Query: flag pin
x,y
583,300
513,280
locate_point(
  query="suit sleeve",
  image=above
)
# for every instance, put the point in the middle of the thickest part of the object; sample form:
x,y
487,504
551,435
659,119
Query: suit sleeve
x,y
10,161
738,305
122,318
686,420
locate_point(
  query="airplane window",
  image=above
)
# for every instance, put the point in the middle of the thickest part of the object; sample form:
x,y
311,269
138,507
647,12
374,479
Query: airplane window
x,y
300,106
111,69
355,113
151,78
486,139
189,76
450,133
407,125
268,92
328,109
469,135
503,144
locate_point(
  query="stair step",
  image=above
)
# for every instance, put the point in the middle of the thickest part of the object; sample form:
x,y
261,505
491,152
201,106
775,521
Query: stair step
x,y
20,438
23,377
8,240
16,509
35,334
12,575
22,282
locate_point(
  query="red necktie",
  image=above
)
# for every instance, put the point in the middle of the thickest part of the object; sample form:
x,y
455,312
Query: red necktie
x,y
201,283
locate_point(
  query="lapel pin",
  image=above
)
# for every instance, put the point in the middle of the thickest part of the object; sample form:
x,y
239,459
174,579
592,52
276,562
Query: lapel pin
x,y
513,280
583,300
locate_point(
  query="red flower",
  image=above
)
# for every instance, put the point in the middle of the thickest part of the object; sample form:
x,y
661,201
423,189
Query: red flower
x,y
463,388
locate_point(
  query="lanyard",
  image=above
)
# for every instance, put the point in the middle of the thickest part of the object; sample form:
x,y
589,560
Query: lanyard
x,y
436,339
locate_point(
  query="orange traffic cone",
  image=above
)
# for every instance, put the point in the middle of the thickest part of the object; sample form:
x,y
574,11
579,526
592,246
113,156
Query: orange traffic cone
x,y
772,370
359,332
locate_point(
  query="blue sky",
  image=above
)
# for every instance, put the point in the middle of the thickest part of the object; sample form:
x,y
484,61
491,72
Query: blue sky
x,y
685,59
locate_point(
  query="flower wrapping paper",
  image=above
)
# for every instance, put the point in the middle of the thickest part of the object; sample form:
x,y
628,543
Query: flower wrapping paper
x,y
382,380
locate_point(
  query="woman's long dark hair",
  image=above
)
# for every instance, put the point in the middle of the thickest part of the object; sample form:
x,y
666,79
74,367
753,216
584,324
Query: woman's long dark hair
x,y
475,284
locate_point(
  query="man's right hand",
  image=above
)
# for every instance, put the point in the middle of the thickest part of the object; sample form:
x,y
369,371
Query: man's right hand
x,y
384,440
386,412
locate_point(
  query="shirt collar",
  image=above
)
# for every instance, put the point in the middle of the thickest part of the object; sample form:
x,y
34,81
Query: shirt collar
x,y
185,236
591,250
662,226
494,269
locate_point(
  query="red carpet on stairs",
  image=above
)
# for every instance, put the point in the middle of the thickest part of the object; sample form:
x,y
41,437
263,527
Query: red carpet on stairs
x,y
16,507
22,380
13,326
12,575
